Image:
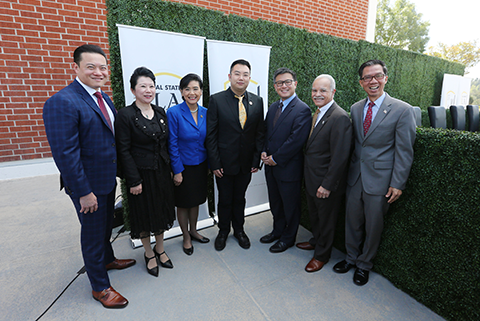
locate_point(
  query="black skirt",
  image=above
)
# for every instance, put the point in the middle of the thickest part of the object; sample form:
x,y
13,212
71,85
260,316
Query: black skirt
x,y
193,190
153,210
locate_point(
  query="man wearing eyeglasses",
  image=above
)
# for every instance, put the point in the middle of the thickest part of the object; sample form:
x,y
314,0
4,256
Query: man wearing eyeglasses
x,y
384,134
287,127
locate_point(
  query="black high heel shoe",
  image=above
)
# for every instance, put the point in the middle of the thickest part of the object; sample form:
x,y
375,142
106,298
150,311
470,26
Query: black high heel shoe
x,y
202,240
168,264
188,251
153,271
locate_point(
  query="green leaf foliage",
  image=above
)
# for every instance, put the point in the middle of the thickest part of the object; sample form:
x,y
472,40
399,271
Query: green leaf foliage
x,y
431,241
400,26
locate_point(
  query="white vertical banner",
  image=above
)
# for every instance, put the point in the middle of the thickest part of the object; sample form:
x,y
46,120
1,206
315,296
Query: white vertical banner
x,y
220,55
170,56
455,90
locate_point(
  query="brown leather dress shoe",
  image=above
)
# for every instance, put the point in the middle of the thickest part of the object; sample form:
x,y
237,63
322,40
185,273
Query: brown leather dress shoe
x,y
110,298
314,265
305,246
120,264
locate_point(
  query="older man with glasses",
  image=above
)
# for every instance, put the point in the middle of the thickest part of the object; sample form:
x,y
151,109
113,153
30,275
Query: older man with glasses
x,y
384,133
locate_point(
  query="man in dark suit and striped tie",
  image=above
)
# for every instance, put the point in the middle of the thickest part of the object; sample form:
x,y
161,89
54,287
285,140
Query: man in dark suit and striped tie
x,y
288,124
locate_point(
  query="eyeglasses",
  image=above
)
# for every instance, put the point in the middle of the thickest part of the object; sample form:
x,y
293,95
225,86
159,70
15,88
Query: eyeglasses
x,y
287,82
369,78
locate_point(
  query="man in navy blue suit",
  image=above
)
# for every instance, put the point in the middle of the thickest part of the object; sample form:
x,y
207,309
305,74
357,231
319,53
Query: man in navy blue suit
x,y
79,125
287,124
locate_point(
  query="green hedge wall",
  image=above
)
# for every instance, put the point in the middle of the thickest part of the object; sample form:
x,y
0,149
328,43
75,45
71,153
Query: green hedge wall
x,y
431,242
430,247
413,77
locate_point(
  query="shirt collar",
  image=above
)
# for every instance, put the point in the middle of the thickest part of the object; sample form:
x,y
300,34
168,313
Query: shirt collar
x,y
89,90
326,107
288,100
379,101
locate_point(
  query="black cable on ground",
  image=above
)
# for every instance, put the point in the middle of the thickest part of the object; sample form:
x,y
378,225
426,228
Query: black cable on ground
x,y
81,271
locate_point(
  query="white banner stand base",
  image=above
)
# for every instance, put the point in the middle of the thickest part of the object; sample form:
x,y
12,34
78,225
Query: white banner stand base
x,y
176,231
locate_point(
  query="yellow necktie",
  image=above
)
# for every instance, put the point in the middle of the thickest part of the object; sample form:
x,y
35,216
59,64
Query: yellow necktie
x,y
242,113
314,120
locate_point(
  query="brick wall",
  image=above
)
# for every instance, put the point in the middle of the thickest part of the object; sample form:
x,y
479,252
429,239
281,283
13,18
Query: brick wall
x,y
341,18
36,56
37,39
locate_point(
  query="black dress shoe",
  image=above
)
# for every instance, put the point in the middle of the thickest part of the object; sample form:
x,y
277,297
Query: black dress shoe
x,y
202,240
279,247
269,238
188,251
220,241
168,264
360,277
342,267
243,240
153,271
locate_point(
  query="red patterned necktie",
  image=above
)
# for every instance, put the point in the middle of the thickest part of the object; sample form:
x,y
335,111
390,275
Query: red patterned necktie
x,y
368,118
103,109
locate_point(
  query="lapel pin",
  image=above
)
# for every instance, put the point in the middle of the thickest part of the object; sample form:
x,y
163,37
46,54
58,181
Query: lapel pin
x,y
384,111
250,103
161,120
201,116
323,122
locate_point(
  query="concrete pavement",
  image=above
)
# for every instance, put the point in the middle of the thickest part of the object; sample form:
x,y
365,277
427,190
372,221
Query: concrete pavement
x,y
40,255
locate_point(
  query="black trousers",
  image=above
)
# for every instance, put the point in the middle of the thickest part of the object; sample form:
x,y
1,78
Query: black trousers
x,y
231,201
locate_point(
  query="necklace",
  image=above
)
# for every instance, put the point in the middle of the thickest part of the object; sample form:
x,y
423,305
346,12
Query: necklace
x,y
194,111
146,113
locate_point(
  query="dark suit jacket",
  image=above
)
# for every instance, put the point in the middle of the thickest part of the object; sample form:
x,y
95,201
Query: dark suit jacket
x,y
327,152
285,141
137,146
230,147
82,143
385,155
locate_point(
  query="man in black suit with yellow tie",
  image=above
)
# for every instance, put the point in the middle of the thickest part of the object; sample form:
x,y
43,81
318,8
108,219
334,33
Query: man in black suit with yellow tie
x,y
234,142
288,124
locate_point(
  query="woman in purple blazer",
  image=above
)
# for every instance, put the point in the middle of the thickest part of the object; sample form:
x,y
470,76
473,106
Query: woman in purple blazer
x,y
188,128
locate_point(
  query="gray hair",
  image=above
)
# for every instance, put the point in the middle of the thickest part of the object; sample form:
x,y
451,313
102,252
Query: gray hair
x,y
332,81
